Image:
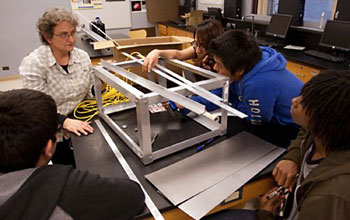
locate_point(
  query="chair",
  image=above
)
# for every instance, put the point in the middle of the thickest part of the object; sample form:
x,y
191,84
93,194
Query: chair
x,y
138,33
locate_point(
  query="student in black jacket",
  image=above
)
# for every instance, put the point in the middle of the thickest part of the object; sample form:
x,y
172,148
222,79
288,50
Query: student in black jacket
x,y
30,189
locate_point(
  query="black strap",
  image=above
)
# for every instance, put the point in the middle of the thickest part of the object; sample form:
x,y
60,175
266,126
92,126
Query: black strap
x,y
38,196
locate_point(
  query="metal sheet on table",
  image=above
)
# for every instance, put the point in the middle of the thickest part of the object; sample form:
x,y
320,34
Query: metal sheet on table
x,y
187,178
201,204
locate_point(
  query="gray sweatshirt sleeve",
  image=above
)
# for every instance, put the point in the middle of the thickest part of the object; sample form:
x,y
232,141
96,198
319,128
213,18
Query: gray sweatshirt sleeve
x,y
89,196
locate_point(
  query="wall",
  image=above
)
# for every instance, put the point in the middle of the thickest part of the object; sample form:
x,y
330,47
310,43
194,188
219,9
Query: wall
x,y
247,7
139,20
19,36
203,4
116,14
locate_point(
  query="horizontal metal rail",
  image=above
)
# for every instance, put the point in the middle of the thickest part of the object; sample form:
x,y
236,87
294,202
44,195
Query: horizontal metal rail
x,y
191,86
190,104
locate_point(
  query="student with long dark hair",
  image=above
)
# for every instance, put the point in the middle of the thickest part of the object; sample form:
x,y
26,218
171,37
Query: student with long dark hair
x,y
204,33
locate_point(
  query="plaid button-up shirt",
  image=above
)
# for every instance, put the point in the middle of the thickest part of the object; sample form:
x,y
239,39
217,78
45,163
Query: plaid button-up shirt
x,y
40,71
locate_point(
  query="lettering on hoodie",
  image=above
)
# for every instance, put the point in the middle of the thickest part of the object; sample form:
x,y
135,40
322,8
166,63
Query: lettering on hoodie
x,y
255,117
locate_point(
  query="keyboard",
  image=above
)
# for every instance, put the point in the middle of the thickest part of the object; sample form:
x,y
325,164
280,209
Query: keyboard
x,y
263,42
324,56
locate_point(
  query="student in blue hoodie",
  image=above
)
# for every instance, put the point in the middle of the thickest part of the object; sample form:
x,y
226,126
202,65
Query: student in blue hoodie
x,y
261,85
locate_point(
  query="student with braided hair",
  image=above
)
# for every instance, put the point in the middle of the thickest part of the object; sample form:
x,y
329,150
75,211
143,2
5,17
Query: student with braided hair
x,y
321,153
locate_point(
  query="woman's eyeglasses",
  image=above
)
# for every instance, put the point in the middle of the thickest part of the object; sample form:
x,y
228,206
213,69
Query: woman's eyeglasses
x,y
66,35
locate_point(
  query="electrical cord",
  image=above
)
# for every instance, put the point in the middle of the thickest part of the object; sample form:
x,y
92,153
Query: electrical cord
x,y
87,109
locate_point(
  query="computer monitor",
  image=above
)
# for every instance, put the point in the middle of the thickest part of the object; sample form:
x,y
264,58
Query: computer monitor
x,y
295,8
215,13
278,26
336,35
232,8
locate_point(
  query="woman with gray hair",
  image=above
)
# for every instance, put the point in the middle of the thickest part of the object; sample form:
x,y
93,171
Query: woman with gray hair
x,y
62,71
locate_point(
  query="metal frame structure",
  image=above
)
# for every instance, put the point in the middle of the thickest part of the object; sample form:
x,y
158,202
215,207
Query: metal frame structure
x,y
159,93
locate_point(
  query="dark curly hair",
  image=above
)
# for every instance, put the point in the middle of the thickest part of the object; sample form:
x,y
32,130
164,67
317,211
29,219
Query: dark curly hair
x,y
326,101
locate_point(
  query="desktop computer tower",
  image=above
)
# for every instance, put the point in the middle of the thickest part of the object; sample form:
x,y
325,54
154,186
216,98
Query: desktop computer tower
x,y
342,11
294,8
233,9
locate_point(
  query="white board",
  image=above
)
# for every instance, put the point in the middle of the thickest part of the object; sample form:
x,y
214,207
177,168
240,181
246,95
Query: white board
x,y
19,36
204,4
115,14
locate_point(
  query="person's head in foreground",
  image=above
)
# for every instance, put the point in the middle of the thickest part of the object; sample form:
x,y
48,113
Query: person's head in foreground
x,y
28,121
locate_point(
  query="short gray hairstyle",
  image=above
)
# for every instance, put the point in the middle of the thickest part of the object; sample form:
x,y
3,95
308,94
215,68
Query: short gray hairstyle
x,y
53,17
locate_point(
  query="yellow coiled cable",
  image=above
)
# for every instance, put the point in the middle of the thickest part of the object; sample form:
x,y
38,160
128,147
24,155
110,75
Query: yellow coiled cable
x,y
87,109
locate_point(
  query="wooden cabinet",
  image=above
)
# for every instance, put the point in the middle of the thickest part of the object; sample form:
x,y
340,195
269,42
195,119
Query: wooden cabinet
x,y
162,29
184,33
172,31
304,73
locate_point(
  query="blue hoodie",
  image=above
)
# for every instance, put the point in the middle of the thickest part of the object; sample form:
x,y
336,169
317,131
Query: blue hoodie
x,y
265,93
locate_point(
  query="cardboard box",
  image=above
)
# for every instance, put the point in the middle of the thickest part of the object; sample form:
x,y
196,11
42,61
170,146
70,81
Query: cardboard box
x,y
193,18
143,45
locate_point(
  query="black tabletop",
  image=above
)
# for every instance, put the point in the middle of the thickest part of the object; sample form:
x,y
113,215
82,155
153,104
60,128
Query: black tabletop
x,y
92,152
301,57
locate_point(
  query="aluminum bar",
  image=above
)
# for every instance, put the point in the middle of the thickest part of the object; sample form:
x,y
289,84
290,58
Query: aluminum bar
x,y
125,88
92,35
190,104
193,88
177,79
207,84
208,95
194,69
